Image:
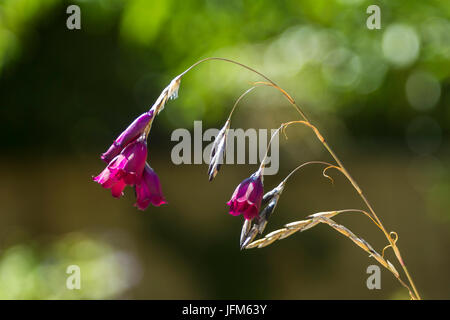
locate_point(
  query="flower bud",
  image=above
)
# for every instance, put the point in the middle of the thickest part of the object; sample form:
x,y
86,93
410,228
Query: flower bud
x,y
218,150
134,131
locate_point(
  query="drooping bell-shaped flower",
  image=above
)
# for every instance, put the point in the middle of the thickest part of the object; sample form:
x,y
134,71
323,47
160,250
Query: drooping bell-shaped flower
x,y
246,199
218,149
134,130
148,189
125,169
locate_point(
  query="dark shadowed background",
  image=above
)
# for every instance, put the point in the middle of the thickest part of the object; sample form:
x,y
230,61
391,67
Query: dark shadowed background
x,y
380,97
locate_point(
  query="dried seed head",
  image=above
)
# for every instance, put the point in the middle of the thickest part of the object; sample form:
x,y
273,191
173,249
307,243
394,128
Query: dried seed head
x,y
267,241
276,233
218,151
298,224
313,223
255,244
288,233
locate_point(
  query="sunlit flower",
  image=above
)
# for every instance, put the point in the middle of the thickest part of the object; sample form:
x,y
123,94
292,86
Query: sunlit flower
x,y
247,197
134,130
148,189
125,169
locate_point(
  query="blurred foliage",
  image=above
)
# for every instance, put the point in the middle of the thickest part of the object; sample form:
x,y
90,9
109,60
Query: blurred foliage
x,y
321,51
34,272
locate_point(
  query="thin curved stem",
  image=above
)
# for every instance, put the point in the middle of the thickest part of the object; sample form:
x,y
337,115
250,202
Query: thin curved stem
x,y
282,127
226,60
238,100
261,167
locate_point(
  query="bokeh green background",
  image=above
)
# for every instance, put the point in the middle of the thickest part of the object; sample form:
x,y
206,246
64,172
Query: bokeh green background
x,y
380,97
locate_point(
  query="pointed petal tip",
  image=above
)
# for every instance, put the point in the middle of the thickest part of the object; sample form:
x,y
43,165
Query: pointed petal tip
x,y
160,203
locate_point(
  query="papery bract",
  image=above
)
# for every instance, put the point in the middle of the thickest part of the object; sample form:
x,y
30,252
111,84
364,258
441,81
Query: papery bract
x,y
218,151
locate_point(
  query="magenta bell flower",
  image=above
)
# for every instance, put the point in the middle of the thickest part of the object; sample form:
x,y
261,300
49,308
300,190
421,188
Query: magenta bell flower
x,y
247,197
148,189
124,169
134,130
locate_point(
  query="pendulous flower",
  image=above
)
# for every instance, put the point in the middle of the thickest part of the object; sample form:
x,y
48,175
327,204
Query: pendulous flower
x,y
134,130
148,189
247,197
125,169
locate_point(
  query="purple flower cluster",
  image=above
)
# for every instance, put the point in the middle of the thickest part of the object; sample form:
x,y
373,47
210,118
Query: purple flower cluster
x,y
127,165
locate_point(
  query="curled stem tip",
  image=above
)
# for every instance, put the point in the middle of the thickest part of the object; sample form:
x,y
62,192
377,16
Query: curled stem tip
x,y
303,165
